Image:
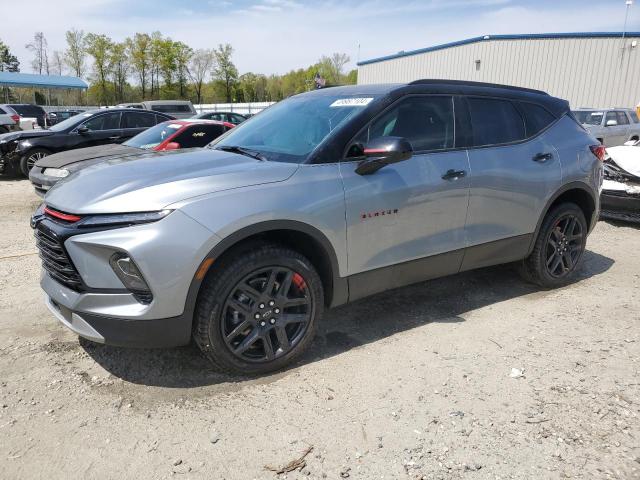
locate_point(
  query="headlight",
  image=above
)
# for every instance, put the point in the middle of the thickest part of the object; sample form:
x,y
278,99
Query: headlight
x,y
122,219
56,172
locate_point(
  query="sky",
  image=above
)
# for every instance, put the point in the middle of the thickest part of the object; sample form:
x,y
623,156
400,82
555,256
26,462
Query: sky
x,y
275,36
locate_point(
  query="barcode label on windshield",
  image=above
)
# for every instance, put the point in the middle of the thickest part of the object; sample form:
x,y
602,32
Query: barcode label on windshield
x,y
351,102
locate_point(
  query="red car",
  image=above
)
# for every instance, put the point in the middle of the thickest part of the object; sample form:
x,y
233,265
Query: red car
x,y
169,135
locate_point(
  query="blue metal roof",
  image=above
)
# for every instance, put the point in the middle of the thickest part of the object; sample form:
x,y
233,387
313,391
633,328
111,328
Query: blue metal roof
x,y
10,79
529,36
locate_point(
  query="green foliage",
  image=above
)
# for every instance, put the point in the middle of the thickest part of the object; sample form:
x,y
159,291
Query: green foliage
x,y
8,61
224,70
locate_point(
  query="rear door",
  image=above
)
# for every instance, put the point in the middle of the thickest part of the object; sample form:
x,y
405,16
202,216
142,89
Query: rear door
x,y
614,134
415,208
514,171
134,123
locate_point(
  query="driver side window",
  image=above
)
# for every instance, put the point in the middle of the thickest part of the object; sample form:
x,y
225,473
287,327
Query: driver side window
x,y
426,121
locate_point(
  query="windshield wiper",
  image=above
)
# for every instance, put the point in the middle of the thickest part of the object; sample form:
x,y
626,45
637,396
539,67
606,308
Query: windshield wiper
x,y
242,151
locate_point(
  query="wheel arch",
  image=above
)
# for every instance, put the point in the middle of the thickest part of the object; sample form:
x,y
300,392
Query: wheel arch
x,y
575,192
302,237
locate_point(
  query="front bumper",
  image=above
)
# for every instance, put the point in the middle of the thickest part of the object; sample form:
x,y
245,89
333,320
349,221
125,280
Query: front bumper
x,y
160,333
168,253
617,205
41,182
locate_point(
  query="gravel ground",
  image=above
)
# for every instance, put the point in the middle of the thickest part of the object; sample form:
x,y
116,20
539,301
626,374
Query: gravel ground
x,y
414,383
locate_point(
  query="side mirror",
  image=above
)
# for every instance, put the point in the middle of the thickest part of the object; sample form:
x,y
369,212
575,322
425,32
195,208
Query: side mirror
x,y
384,151
611,123
172,146
82,130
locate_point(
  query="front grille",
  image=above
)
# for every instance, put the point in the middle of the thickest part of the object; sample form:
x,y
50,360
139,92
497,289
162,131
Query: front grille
x,y
55,260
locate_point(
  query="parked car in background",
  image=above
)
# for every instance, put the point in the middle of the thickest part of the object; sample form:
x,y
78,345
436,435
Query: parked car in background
x,y
27,110
129,105
610,126
19,151
58,116
620,197
175,108
170,135
324,198
230,117
9,119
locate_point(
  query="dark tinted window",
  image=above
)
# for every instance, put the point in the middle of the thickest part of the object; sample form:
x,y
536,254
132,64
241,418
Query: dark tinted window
x,y
171,108
221,117
2,111
107,121
160,119
198,135
427,122
236,119
495,121
28,110
622,118
536,118
138,120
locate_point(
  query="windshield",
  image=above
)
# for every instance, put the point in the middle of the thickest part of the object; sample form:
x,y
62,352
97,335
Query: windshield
x,y
290,130
589,117
70,122
154,136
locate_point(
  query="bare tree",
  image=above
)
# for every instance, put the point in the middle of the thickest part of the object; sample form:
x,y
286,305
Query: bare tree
x,y
76,54
57,62
338,61
39,47
201,64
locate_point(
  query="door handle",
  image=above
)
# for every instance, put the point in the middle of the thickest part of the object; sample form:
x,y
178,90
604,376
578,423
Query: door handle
x,y
453,174
542,157
114,138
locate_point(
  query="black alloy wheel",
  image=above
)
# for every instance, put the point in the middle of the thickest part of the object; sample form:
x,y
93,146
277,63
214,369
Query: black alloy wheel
x,y
564,246
266,314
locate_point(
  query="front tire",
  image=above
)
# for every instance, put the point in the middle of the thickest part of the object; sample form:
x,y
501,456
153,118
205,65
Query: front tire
x,y
559,248
29,159
258,310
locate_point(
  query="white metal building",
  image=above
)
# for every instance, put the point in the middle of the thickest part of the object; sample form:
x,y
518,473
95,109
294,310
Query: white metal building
x,y
588,69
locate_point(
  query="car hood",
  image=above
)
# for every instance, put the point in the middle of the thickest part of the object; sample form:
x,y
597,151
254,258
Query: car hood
x,y
63,159
25,134
155,180
626,157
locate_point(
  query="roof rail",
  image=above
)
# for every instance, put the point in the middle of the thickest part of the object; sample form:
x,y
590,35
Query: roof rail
x,y
434,81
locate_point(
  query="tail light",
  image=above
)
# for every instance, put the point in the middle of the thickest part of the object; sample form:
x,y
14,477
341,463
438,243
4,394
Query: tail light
x,y
599,151
15,118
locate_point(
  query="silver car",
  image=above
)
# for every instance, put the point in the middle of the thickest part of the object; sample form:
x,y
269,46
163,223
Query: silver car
x,y
322,199
611,127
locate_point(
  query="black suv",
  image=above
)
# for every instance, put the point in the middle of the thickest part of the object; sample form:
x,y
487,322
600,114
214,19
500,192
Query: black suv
x,y
19,151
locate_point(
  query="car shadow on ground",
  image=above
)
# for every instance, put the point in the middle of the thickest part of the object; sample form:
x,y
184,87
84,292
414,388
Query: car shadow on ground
x,y
350,326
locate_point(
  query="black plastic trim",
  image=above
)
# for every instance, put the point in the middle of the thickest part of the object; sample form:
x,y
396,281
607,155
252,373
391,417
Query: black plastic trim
x,y
505,250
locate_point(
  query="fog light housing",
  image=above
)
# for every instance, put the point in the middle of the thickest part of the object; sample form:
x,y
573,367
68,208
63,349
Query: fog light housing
x,y
129,274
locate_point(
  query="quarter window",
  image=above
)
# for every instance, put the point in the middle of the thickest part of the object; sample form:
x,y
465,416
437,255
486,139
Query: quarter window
x,y
495,121
107,121
536,118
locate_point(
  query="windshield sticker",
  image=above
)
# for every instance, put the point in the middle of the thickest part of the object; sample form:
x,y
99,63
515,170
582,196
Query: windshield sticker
x,y
87,114
351,102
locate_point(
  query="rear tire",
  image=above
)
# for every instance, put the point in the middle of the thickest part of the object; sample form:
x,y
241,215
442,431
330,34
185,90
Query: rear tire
x,y
559,248
29,159
258,310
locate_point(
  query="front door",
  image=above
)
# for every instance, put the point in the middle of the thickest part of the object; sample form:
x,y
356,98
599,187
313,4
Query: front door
x,y
412,209
103,128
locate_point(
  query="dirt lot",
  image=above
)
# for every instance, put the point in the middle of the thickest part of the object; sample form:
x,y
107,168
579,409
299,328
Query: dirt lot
x,y
415,383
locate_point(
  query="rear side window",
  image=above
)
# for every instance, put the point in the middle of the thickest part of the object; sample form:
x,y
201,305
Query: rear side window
x,y
622,118
171,108
138,120
634,116
610,116
495,121
536,118
28,110
3,111
198,135
426,121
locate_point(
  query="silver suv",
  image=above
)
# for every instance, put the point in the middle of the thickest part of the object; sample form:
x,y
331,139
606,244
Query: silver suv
x,y
322,199
611,127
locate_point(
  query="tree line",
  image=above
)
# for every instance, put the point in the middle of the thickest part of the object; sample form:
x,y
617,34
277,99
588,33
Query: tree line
x,y
153,66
